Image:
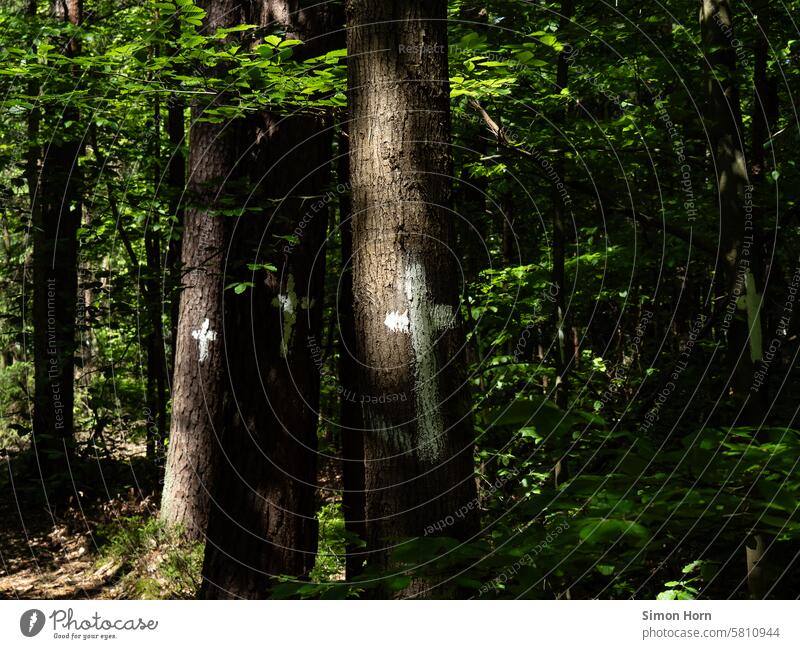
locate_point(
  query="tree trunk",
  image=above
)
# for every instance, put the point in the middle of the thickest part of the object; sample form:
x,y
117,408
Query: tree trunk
x,y
737,234
57,218
263,523
411,344
737,237
563,344
198,381
564,351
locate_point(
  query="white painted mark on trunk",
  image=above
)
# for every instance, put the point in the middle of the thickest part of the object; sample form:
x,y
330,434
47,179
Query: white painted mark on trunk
x,y
288,303
426,320
753,304
441,316
204,335
397,322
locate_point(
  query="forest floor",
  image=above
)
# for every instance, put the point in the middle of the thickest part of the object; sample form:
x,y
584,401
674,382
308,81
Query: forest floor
x,y
96,545
49,553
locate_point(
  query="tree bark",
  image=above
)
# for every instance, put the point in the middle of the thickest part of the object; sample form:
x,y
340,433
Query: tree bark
x,y
411,344
198,381
263,522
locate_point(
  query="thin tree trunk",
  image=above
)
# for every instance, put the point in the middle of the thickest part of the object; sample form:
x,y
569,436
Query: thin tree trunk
x,y
764,114
737,235
737,229
763,117
564,349
411,345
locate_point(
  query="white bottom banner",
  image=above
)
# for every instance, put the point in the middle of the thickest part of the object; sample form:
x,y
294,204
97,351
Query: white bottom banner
x,y
371,624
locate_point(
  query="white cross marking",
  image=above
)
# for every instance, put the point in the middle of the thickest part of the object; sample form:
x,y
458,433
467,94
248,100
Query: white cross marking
x,y
203,336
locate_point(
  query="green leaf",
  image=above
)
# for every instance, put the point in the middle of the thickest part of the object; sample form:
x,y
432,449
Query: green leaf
x,y
239,287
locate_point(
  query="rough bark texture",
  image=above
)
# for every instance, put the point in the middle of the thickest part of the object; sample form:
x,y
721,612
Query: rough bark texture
x,y
198,382
56,219
418,444
263,522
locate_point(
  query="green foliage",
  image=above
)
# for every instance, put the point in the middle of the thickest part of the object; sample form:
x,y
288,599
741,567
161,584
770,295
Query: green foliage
x,y
332,544
154,563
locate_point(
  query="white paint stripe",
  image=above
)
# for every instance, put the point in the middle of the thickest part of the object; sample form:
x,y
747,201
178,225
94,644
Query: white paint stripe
x,y
424,324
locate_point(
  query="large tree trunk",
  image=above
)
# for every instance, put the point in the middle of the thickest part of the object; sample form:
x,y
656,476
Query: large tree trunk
x,y
263,523
198,381
57,218
411,346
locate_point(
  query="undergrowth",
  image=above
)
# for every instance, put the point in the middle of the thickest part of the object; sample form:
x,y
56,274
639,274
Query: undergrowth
x,y
154,563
